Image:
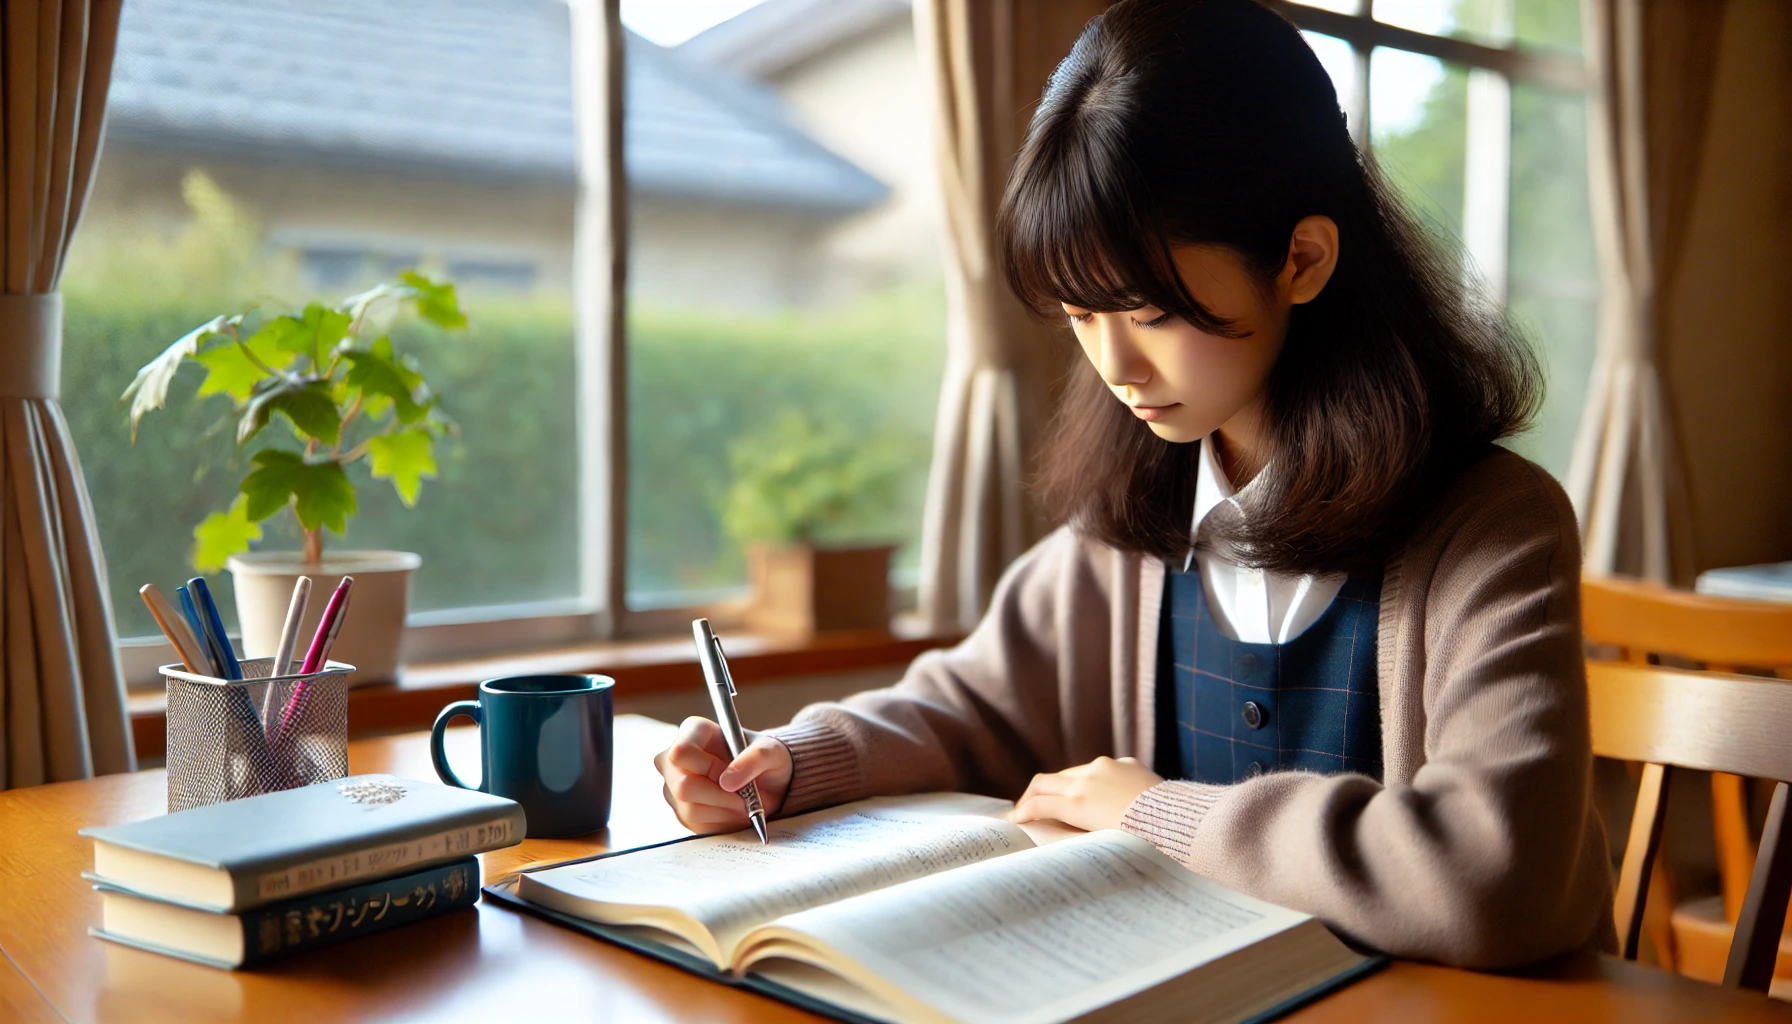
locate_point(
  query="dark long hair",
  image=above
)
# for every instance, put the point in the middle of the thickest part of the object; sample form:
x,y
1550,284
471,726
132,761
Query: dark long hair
x,y
1211,122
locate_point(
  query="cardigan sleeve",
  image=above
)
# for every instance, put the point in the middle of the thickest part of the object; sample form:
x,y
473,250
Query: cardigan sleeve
x,y
1489,855
984,716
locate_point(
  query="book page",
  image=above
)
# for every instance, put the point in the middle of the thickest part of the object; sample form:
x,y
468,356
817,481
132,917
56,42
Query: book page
x,y
731,883
1046,934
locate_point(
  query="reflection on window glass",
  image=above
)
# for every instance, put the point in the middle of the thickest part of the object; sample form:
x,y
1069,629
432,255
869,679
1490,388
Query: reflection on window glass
x,y
1340,63
1341,6
1554,272
228,179
1418,129
786,307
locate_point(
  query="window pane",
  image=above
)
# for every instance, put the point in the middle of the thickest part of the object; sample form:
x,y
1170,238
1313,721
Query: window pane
x,y
1554,275
1480,20
786,306
1540,24
1339,61
1418,130
1341,6
1548,24
229,179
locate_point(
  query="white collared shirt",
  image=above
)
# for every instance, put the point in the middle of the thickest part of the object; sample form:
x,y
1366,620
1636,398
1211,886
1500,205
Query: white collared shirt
x,y
1251,605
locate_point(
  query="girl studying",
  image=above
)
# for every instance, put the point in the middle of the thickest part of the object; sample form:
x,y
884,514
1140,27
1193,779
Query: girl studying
x,y
1305,627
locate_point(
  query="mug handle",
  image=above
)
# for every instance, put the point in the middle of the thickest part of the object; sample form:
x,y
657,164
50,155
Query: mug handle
x,y
470,708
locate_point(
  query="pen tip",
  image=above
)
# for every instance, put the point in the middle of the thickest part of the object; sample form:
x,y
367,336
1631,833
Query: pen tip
x,y
759,827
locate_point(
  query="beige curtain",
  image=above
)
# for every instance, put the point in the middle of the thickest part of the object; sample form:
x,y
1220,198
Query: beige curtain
x,y
988,60
1651,65
61,697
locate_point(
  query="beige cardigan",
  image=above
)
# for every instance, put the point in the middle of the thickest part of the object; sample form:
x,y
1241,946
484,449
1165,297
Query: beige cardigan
x,y
1480,846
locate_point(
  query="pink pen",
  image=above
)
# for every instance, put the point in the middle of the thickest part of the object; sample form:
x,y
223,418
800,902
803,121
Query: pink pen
x,y
319,651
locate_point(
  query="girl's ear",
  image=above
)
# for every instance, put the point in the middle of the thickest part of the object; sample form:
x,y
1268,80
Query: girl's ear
x,y
1312,256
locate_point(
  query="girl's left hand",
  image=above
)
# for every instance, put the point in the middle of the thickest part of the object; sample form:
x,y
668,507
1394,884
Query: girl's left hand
x,y
1090,796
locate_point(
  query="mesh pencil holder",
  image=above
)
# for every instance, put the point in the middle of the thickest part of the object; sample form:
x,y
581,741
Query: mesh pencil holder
x,y
228,740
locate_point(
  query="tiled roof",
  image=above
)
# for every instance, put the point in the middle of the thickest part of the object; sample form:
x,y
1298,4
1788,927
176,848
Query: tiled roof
x,y
475,86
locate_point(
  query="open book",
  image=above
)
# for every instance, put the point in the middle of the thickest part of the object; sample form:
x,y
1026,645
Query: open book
x,y
934,908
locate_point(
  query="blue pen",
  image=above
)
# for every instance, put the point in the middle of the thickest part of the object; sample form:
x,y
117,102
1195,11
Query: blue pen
x,y
208,609
248,734
190,612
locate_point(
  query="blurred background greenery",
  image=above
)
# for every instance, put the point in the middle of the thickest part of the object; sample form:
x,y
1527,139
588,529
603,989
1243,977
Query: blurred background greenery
x,y
499,525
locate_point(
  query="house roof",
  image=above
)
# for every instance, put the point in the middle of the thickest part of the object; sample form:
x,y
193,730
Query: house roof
x,y
775,35
469,86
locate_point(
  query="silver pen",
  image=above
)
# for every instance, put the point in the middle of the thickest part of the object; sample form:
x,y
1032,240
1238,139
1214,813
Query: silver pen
x,y
721,694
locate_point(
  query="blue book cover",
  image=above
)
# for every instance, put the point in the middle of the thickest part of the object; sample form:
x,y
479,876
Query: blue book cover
x,y
263,849
281,929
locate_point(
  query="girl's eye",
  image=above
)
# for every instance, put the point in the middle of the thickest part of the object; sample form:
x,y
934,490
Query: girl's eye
x,y
1080,318
1156,321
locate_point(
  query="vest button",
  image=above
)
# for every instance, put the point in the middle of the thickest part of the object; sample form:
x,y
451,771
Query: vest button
x,y
1254,769
1254,715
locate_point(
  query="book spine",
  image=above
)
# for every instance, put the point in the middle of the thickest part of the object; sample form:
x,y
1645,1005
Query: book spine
x,y
324,919
340,869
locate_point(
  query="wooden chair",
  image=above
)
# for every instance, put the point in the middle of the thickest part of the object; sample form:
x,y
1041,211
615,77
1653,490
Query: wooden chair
x,y
1723,634
1717,722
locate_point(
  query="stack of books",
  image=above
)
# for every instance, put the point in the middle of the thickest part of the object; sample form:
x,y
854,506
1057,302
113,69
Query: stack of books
x,y
240,883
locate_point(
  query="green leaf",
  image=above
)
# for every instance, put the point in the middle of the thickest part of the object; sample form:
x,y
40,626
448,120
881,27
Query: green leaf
x,y
321,493
268,488
327,498
328,326
223,534
233,373
385,377
149,389
308,405
435,302
405,458
284,334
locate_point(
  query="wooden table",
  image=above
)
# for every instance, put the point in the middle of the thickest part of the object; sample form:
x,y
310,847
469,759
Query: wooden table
x,y
490,964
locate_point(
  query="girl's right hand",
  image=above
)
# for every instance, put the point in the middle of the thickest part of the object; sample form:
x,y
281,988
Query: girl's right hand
x,y
703,785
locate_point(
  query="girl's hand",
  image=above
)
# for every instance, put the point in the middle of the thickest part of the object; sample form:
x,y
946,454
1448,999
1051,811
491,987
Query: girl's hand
x,y
703,786
1089,796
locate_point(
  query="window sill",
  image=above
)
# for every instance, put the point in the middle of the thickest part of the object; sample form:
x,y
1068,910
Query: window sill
x,y
638,666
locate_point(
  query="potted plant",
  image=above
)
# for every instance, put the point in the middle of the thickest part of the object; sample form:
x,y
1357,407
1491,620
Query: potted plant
x,y
315,391
798,493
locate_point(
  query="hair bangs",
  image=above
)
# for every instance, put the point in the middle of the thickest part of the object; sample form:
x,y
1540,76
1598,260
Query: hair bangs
x,y
1071,231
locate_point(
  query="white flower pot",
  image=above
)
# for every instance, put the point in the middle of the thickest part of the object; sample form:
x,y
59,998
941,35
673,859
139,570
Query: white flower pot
x,y
372,633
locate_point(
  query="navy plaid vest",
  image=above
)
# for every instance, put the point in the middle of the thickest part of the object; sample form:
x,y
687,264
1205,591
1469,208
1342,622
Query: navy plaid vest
x,y
1229,711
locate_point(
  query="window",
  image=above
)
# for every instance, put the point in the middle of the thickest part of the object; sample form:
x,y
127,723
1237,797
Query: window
x,y
785,292
782,240
1476,111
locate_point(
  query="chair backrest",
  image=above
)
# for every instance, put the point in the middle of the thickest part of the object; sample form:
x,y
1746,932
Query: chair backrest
x,y
1647,618
1723,633
1717,722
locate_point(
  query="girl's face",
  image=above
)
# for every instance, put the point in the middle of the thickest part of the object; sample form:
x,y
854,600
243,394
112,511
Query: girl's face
x,y
1183,382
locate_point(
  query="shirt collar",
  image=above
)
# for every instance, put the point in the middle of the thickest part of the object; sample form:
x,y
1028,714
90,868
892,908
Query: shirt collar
x,y
1212,486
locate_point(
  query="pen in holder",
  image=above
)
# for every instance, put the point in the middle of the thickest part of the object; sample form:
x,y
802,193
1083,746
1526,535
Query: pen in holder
x,y
219,750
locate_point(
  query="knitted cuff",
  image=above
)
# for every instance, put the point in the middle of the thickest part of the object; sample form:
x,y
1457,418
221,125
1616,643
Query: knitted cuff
x,y
1167,815
824,766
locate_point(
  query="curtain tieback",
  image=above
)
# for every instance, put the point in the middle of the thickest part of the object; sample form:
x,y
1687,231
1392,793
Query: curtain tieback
x,y
30,345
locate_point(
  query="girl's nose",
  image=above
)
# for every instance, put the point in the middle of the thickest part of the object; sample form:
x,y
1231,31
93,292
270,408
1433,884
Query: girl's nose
x,y
1120,363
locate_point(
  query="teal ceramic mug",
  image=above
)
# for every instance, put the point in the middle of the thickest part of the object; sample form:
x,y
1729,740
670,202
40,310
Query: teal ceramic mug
x,y
546,743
